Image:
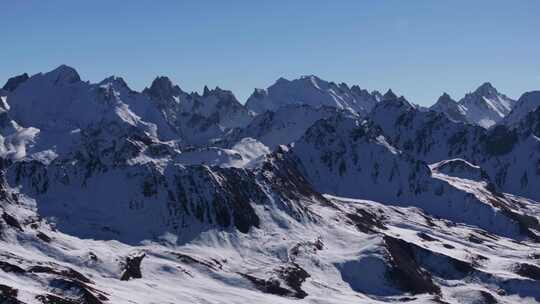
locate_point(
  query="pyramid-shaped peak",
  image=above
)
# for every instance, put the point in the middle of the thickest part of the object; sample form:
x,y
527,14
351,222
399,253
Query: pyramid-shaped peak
x,y
206,91
389,95
446,98
65,74
163,88
486,89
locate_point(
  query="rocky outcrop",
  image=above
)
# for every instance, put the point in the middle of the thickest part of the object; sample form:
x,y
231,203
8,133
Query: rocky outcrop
x,y
405,271
287,281
14,82
132,267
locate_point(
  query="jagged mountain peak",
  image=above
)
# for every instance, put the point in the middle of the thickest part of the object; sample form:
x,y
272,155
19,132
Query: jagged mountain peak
x,y
308,81
356,87
450,107
485,106
64,74
219,93
14,82
486,89
362,92
259,93
377,95
389,95
115,81
445,97
311,90
206,91
391,99
162,88
102,194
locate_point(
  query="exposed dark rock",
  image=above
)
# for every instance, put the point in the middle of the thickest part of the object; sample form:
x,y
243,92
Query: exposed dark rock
x,y
52,299
42,236
92,256
67,273
132,267
8,295
487,298
528,270
7,267
534,256
292,275
11,221
14,82
478,259
238,193
282,173
186,259
162,89
426,237
272,286
474,239
79,292
461,266
366,221
311,247
405,271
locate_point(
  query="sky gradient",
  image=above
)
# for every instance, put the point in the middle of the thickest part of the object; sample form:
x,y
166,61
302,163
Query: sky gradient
x,y
418,48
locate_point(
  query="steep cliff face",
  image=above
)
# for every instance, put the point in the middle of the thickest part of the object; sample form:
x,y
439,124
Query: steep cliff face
x,y
199,119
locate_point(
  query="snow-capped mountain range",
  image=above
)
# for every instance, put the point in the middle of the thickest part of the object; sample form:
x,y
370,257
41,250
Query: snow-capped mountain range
x,y
312,91
484,107
311,192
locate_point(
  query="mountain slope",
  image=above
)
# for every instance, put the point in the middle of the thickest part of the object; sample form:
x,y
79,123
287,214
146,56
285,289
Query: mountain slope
x,y
528,102
410,257
283,126
349,158
509,156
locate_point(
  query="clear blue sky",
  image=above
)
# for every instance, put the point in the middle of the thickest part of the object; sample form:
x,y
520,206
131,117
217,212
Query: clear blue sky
x,y
419,48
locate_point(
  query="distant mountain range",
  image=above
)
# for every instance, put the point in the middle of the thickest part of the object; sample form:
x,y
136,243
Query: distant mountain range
x,y
311,192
